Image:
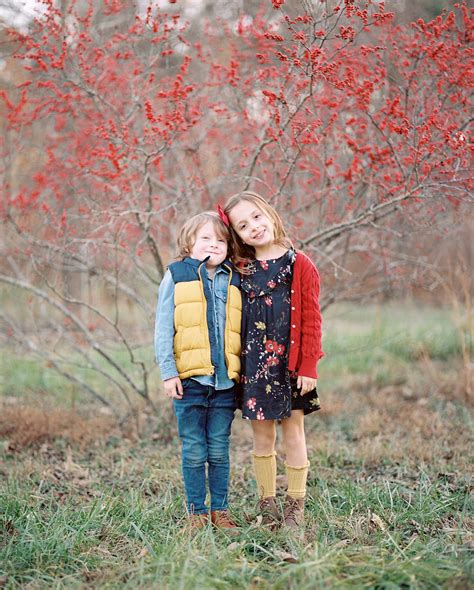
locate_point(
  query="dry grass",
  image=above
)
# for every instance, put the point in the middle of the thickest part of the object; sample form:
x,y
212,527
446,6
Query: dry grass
x,y
410,422
408,430
423,420
27,426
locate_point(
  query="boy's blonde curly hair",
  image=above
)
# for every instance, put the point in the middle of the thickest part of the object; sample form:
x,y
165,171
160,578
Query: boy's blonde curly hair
x,y
187,234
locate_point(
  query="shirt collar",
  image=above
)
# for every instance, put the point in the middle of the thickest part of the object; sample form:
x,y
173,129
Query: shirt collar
x,y
224,266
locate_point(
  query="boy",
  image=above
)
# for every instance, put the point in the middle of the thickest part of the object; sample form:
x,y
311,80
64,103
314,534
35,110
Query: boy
x,y
197,343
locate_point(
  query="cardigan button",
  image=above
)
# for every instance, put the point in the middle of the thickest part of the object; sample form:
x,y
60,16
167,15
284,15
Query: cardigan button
x,y
292,290
293,326
292,309
292,342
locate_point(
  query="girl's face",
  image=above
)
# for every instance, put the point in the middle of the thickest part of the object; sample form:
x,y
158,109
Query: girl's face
x,y
208,243
251,224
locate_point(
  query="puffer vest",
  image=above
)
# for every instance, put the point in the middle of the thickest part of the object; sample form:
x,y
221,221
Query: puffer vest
x,y
194,320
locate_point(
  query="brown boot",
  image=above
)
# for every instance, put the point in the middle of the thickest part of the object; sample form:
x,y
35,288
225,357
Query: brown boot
x,y
195,522
222,520
293,515
268,509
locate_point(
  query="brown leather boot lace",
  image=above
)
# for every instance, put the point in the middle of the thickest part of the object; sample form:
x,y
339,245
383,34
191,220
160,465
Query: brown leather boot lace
x,y
294,512
222,520
269,511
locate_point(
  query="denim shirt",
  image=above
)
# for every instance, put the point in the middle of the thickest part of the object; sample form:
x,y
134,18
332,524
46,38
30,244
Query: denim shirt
x,y
164,329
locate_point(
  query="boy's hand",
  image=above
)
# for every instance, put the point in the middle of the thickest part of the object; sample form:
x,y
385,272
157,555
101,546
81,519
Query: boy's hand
x,y
306,384
173,388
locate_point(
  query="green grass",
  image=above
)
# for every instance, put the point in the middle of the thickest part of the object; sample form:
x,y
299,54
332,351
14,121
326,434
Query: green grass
x,y
359,339
388,503
26,377
384,341
20,376
127,536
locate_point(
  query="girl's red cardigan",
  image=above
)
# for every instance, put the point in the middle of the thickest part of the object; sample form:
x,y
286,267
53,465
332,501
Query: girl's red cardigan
x,y
305,332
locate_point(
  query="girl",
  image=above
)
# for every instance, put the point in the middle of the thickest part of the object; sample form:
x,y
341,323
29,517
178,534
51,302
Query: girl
x,y
197,343
281,346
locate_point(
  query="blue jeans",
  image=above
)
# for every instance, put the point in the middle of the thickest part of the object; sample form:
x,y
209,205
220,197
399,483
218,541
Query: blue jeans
x,y
204,418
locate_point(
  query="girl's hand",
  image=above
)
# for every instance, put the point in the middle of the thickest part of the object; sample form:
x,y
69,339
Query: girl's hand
x,y
173,388
306,384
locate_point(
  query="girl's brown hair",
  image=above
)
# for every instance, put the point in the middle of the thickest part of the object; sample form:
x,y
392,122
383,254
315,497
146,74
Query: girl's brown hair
x,y
187,235
243,254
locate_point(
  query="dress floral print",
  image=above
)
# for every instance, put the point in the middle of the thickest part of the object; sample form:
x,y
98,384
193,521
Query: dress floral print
x,y
268,390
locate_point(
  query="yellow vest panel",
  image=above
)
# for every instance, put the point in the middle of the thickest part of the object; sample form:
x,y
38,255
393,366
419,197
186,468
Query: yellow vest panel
x,y
191,342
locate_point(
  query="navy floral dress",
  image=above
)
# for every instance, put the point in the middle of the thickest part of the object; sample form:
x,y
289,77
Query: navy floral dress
x,y
268,390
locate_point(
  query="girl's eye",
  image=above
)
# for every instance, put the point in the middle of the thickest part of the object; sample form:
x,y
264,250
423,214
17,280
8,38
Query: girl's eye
x,y
257,215
242,227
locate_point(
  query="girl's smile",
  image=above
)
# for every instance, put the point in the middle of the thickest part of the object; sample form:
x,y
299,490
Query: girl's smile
x,y
259,235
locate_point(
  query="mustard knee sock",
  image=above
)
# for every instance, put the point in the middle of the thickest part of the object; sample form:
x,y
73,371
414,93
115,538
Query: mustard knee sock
x,y
265,474
297,477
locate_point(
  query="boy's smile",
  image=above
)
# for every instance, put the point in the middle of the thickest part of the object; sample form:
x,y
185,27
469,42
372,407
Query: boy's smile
x,y
209,244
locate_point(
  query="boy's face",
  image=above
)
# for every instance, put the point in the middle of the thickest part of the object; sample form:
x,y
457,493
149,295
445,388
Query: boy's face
x,y
252,225
208,243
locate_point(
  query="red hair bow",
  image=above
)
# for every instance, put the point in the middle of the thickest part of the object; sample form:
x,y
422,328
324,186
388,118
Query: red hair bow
x,y
223,216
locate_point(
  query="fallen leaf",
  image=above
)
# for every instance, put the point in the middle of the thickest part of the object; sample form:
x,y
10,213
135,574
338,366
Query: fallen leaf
x,y
377,521
285,556
342,543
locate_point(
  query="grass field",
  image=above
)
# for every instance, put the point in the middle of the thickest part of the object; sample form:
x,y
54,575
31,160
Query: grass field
x,y
84,504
